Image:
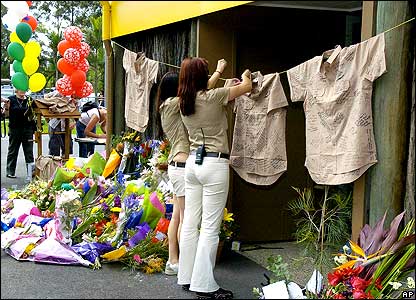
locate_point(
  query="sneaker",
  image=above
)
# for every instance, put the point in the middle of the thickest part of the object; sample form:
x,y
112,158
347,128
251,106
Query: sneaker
x,y
218,294
10,176
171,269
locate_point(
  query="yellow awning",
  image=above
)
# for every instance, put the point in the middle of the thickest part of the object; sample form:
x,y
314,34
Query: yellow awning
x,y
132,16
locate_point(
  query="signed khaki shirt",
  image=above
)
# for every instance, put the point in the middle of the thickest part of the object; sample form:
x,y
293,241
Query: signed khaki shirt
x,y
337,93
141,74
173,127
210,115
258,152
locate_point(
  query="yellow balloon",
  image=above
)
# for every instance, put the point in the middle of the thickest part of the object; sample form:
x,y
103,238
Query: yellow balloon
x,y
32,49
36,82
30,65
15,38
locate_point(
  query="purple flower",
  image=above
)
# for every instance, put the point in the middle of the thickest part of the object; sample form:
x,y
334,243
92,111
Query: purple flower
x,y
154,144
117,201
131,201
104,206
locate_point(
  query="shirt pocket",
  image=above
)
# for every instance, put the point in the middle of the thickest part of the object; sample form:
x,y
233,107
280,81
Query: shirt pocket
x,y
342,86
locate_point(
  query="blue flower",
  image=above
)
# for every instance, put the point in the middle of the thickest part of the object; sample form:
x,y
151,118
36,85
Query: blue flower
x,y
131,201
120,177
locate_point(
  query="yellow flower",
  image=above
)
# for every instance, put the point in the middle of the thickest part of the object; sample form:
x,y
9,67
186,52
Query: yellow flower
x,y
228,217
12,195
95,209
360,257
115,254
116,209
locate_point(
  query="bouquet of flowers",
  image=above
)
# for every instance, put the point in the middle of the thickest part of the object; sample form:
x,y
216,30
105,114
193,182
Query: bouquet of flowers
x,y
40,192
376,265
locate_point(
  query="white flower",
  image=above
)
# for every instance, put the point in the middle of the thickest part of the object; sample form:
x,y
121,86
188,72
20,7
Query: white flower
x,y
410,283
342,259
396,285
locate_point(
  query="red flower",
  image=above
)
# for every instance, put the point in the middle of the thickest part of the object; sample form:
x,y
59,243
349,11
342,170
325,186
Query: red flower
x,y
339,296
361,295
359,283
334,278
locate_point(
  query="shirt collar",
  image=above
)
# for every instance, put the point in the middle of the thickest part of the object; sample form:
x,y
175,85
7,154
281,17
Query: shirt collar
x,y
257,82
333,55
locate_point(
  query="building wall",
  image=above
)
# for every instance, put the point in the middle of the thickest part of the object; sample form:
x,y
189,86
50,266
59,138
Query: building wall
x,y
271,40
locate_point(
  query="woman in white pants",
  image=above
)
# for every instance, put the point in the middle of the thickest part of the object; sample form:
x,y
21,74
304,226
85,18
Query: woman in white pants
x,y
176,133
203,111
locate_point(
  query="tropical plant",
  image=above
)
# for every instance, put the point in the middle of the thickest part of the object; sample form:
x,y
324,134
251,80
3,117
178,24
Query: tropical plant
x,y
376,265
321,225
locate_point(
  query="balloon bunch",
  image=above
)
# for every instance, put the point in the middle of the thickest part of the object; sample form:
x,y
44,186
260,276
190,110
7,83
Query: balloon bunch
x,y
25,52
73,64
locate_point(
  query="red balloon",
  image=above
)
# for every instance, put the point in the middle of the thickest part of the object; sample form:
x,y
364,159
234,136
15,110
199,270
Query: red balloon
x,y
83,65
83,49
73,35
77,79
85,90
72,56
29,3
31,21
65,67
64,86
62,46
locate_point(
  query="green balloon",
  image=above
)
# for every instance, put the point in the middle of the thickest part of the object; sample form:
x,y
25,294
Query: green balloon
x,y
20,81
16,51
17,66
24,31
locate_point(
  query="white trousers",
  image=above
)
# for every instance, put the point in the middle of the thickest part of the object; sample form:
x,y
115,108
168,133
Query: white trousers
x,y
206,191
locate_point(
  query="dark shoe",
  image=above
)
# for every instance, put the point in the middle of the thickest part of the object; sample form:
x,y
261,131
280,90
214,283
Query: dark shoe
x,y
186,287
218,294
11,176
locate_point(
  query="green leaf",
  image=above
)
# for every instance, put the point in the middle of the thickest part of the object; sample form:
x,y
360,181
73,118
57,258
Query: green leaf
x,y
89,196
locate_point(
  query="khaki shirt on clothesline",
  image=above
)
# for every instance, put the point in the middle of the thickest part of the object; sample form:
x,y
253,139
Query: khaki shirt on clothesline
x,y
337,92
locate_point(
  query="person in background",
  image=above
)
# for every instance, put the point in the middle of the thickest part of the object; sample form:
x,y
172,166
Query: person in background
x,y
203,112
56,128
176,133
22,126
86,127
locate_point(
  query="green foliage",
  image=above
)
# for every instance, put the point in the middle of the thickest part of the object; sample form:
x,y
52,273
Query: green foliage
x,y
321,225
280,270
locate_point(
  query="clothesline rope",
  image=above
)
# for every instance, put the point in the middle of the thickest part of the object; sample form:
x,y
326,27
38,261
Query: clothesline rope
x,y
163,63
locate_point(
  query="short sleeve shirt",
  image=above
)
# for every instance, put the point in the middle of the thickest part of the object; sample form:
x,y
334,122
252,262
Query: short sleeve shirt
x,y
258,152
210,115
141,74
173,127
86,116
337,94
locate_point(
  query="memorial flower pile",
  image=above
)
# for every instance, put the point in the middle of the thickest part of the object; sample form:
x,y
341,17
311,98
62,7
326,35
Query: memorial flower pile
x,y
83,217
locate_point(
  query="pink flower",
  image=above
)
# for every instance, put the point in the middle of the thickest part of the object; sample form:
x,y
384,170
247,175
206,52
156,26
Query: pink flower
x,y
137,258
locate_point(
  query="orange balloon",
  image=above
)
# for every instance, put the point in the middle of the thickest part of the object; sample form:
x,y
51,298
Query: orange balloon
x,y
31,21
78,78
64,67
62,46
